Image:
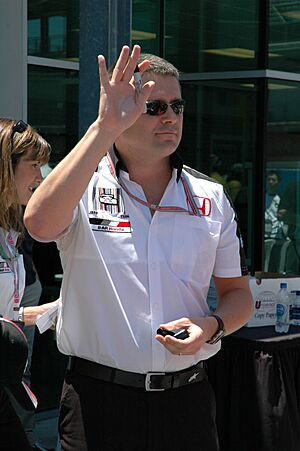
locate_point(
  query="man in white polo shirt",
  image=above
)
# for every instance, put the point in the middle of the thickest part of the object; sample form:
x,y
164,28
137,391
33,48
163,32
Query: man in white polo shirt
x,y
138,252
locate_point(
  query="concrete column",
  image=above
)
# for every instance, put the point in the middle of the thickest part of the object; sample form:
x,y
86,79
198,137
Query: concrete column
x,y
13,51
105,26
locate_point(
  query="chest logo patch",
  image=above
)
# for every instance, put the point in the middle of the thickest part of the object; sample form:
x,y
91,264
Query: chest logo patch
x,y
108,200
4,267
204,205
118,225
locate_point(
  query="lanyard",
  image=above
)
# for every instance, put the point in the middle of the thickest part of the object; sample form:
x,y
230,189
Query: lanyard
x,y
192,207
10,254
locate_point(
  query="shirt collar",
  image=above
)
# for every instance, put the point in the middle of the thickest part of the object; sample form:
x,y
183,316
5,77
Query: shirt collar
x,y
175,159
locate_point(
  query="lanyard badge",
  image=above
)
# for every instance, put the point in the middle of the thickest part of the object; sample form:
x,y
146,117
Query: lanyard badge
x,y
10,255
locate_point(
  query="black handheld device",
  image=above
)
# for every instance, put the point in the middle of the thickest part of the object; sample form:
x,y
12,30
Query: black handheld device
x,y
180,334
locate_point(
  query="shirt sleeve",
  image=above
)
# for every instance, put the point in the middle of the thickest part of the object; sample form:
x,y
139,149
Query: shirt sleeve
x,y
66,237
230,256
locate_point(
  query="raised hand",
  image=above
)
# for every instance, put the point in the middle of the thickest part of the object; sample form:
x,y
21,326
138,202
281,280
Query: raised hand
x,y
120,106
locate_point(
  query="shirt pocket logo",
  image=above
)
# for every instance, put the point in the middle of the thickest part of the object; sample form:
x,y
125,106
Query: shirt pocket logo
x,y
203,204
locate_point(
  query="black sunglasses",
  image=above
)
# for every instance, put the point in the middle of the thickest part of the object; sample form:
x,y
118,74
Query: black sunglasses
x,y
157,107
19,127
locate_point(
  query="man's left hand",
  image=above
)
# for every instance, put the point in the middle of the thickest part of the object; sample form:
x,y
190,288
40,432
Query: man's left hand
x,y
200,330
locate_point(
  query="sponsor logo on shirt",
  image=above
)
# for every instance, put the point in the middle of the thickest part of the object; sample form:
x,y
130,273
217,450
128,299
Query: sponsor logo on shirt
x,y
107,211
107,199
117,225
204,205
4,267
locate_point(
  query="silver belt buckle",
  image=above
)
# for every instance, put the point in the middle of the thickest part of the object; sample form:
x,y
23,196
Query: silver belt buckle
x,y
148,382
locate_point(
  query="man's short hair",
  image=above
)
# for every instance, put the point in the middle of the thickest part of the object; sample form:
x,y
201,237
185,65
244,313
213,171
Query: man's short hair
x,y
159,66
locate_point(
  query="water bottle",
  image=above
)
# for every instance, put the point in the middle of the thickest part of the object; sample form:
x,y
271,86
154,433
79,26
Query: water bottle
x,y
283,310
292,305
296,309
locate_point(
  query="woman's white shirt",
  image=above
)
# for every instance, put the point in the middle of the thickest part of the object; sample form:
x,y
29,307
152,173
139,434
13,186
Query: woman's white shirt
x,y
7,285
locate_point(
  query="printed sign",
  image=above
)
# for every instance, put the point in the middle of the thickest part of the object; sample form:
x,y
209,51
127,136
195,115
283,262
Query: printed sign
x,y
265,298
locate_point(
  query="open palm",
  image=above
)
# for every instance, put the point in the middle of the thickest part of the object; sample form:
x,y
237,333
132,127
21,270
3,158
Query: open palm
x,y
120,106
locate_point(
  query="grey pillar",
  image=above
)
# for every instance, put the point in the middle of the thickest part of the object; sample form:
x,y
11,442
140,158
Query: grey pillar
x,y
13,55
105,26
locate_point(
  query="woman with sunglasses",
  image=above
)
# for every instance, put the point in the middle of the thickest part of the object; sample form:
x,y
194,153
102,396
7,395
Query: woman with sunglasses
x,y
22,152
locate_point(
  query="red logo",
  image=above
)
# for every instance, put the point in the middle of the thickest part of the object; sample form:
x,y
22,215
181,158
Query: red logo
x,y
204,205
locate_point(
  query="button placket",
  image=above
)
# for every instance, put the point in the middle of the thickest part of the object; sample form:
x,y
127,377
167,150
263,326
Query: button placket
x,y
155,299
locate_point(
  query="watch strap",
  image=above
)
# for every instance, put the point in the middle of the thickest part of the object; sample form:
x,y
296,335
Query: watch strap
x,y
220,331
21,314
220,322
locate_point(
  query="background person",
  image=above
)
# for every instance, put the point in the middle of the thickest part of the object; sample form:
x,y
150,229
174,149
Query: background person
x,y
274,227
215,170
138,253
288,212
30,298
22,152
235,180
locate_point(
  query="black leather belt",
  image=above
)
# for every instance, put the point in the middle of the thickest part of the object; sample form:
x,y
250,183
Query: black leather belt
x,y
152,381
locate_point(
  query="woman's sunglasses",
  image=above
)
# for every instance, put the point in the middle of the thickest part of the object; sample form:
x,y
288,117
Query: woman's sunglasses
x,y
157,107
19,127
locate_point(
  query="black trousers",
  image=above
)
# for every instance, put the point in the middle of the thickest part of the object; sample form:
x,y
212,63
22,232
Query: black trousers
x,y
12,435
98,416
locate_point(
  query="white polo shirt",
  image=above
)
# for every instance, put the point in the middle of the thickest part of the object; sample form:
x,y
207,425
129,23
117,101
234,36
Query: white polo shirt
x,y
126,272
7,285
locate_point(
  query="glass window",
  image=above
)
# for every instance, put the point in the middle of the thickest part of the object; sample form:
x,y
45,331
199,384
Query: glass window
x,y
219,137
53,29
282,214
284,42
53,111
207,36
146,25
53,107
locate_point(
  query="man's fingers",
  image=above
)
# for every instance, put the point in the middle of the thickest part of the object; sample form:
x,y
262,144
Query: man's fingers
x,y
145,93
144,66
121,63
131,64
104,78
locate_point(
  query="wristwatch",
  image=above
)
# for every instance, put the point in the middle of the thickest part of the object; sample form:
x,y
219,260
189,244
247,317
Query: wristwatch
x,y
21,315
220,332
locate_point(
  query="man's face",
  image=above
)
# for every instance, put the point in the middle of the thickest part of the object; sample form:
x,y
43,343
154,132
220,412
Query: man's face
x,y
273,183
152,137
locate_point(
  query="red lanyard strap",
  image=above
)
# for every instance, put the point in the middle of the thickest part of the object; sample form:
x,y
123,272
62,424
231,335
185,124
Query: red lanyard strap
x,y
190,197
11,258
192,210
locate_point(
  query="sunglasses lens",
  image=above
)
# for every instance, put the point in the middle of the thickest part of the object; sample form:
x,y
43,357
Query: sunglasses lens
x,y
156,107
19,127
162,107
178,106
